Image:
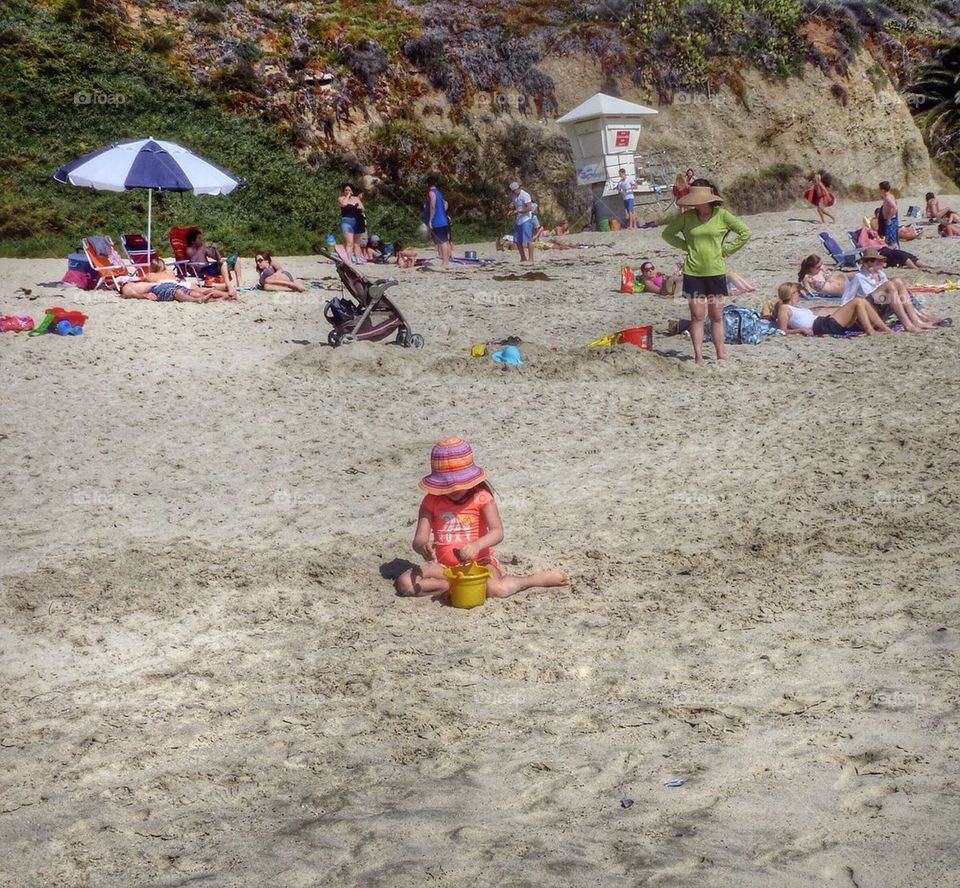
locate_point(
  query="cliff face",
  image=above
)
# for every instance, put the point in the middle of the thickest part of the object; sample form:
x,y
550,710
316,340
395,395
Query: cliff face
x,y
297,95
857,127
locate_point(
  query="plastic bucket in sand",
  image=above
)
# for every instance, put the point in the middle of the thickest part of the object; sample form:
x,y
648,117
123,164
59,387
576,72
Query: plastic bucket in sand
x,y
603,225
470,254
468,584
639,336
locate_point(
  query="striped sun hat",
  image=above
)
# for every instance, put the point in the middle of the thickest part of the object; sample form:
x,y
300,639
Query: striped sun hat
x,y
453,468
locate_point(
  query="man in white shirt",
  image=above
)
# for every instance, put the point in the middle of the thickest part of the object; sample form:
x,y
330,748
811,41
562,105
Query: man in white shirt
x,y
625,186
522,209
872,283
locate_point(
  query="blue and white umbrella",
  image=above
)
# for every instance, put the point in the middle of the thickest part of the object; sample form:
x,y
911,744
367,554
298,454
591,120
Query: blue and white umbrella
x,y
150,164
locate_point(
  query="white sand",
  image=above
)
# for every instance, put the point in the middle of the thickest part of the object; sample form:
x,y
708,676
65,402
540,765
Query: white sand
x,y
208,682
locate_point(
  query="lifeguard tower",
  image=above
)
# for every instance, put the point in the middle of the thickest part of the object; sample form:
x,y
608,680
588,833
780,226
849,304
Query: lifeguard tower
x,y
604,133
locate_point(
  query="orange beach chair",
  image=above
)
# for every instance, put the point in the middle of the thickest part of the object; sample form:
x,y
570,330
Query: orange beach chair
x,y
183,266
103,256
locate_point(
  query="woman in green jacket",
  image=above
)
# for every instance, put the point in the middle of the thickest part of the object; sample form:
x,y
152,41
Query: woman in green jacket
x,y
700,231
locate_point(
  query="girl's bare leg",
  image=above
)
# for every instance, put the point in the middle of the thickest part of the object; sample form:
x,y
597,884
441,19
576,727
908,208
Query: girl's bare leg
x,y
886,294
868,319
426,580
505,586
846,314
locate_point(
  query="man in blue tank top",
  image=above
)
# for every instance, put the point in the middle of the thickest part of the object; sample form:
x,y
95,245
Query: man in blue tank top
x,y
436,219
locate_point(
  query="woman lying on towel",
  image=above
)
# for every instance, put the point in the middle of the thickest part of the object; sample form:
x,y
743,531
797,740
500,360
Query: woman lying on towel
x,y
856,316
162,285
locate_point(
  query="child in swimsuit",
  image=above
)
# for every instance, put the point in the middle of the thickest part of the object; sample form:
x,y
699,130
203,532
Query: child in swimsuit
x,y
458,523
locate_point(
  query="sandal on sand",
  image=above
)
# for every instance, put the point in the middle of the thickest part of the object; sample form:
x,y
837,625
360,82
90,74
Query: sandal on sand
x,y
946,322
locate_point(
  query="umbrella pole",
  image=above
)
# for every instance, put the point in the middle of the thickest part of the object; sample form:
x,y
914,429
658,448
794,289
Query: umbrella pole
x,y
149,219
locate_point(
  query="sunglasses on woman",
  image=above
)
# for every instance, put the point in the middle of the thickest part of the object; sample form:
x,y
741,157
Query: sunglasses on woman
x,y
646,268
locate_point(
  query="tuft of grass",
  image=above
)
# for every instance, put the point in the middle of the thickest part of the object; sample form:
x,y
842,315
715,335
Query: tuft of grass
x,y
772,189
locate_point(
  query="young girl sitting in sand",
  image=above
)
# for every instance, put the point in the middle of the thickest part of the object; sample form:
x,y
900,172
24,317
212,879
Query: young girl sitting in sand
x,y
825,320
459,522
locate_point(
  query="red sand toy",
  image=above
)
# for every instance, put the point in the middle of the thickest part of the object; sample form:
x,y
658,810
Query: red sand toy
x,y
59,320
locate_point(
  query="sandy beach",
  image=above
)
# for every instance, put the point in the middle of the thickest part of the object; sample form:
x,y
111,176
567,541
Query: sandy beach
x,y
209,681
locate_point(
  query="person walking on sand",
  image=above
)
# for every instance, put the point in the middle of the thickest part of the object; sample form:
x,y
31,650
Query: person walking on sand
x,y
522,210
458,523
437,220
701,231
821,198
889,218
625,186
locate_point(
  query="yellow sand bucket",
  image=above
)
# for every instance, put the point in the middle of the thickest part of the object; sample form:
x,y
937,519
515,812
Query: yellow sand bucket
x,y
468,584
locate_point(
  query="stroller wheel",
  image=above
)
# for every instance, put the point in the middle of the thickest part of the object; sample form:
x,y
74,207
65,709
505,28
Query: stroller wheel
x,y
416,341
333,337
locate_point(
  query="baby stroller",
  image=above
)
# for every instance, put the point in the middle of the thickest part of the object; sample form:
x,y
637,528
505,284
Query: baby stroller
x,y
372,316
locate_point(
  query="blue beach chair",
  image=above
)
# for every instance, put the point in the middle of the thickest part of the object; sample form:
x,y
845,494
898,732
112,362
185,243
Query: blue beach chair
x,y
843,260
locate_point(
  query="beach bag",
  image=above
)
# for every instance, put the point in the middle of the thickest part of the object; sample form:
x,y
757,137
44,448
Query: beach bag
x,y
631,281
741,326
80,272
339,311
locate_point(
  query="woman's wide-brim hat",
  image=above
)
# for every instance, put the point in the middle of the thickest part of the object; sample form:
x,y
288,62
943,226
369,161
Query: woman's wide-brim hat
x,y
699,194
452,468
871,253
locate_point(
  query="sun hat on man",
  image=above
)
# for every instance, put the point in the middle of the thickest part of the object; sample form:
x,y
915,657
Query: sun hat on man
x,y
514,186
699,194
871,253
452,468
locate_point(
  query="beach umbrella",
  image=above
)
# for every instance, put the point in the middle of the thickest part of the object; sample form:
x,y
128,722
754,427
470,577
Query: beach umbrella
x,y
150,164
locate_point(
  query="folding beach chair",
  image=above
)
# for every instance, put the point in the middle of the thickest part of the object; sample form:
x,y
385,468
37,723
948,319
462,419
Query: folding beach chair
x,y
103,256
843,260
913,212
182,265
135,246
853,238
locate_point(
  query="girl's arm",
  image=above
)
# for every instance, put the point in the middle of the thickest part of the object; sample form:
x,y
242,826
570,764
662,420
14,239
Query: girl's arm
x,y
493,536
739,229
423,537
